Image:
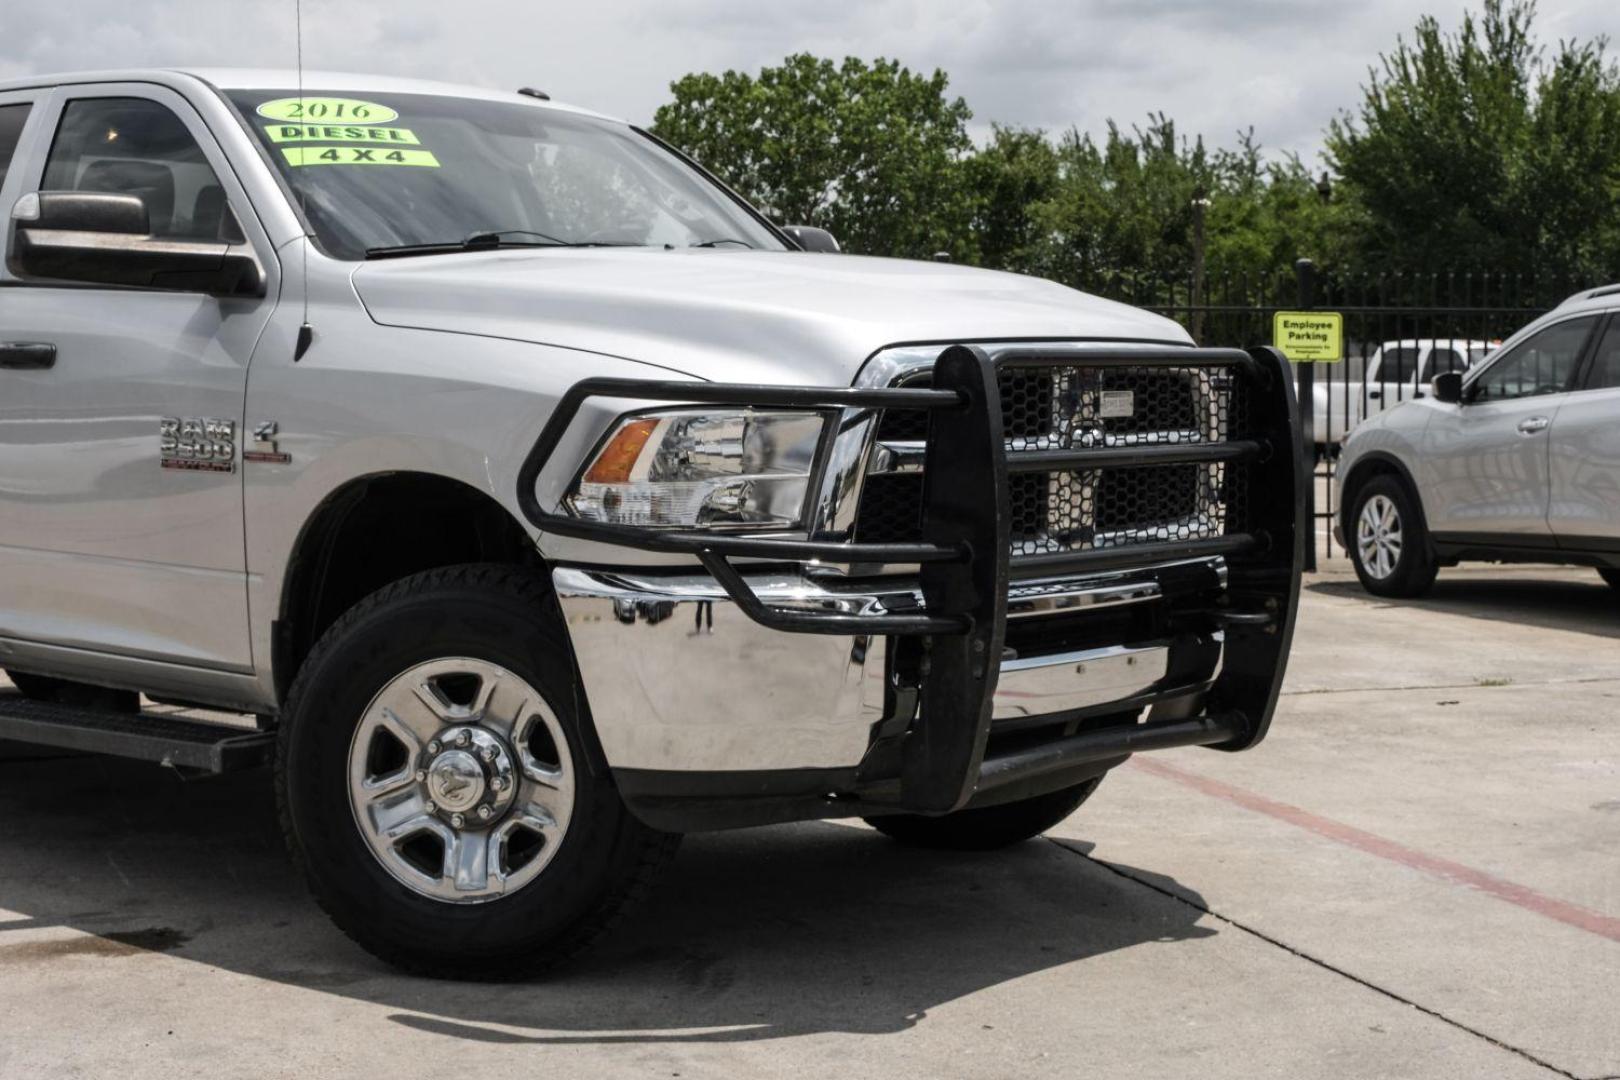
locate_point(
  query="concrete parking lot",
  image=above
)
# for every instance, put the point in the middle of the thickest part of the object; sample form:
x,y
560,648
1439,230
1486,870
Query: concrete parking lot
x,y
1418,875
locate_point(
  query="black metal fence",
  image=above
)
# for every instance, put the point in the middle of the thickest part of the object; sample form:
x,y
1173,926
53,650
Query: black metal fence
x,y
1400,331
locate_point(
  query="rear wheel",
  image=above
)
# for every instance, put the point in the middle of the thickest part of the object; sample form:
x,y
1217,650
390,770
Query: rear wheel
x,y
1388,543
444,798
986,828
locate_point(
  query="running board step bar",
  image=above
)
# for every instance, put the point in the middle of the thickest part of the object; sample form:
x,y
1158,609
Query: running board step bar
x,y
181,744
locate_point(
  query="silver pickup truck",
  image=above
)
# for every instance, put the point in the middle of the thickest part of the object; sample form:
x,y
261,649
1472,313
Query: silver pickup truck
x,y
528,499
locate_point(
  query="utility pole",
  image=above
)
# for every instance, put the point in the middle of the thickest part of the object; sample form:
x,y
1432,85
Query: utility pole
x,y
1200,206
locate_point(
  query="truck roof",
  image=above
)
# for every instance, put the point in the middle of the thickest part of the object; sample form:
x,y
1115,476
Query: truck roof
x,y
288,79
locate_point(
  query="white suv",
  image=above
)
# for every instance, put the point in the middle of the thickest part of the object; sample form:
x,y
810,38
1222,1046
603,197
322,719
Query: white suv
x,y
1517,460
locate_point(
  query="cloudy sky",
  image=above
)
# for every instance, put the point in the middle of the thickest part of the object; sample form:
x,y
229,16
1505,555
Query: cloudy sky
x,y
1283,66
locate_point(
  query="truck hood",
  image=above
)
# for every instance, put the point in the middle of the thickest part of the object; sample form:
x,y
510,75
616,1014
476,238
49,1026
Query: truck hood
x,y
730,316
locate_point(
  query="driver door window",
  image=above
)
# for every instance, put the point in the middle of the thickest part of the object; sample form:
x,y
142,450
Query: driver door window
x,y
1544,364
135,146
12,119
1444,360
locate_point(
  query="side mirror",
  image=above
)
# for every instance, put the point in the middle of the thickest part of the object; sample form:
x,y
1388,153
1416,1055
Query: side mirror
x,y
106,239
1448,387
810,238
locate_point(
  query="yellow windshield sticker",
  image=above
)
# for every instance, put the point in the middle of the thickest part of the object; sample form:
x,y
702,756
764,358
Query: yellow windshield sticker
x,y
327,110
340,133
357,155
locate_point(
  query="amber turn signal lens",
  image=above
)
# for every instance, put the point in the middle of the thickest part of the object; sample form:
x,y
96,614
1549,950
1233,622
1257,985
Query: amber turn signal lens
x,y
618,457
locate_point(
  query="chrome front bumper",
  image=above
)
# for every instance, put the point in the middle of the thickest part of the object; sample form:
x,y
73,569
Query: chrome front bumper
x,y
679,679
957,663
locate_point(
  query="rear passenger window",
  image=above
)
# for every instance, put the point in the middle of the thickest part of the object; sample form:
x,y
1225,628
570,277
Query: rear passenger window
x,y
133,146
1606,360
1399,365
12,119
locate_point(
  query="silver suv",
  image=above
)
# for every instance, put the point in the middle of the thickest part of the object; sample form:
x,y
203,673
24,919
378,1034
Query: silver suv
x,y
1518,460
529,499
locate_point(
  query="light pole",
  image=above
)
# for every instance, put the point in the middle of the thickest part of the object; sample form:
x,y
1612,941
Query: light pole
x,y
1200,204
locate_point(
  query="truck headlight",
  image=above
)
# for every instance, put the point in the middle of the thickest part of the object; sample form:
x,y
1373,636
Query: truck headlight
x,y
740,469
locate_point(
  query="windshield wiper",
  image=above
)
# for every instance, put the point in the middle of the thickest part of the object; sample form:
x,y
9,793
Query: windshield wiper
x,y
483,240
724,240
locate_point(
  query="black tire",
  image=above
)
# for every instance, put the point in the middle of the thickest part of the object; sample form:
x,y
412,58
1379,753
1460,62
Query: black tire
x,y
606,859
1611,575
64,692
988,828
1409,574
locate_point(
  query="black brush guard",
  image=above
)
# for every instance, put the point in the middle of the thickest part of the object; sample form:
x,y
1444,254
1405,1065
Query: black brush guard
x,y
965,570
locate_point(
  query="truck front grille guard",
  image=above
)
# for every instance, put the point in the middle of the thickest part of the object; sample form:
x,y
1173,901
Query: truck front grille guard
x,y
964,561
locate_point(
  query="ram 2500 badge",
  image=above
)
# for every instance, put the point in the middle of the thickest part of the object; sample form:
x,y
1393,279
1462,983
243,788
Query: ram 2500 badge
x,y
534,500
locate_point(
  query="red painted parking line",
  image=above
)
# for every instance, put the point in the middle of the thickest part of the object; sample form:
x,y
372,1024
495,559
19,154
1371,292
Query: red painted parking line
x,y
1583,918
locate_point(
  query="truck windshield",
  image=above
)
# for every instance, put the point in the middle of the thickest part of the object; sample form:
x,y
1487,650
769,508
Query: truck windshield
x,y
385,172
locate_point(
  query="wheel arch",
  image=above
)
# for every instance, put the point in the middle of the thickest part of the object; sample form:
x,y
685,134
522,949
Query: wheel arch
x,y
1364,471
377,529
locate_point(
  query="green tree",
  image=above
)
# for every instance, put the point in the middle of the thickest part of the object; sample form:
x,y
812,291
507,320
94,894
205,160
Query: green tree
x,y
873,152
1475,148
1121,211
1121,215
1017,171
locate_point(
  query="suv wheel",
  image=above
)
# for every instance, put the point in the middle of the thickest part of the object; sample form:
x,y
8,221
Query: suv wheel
x,y
441,792
1388,542
989,827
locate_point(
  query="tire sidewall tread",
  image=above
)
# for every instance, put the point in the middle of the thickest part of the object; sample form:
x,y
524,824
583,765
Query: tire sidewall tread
x,y
607,859
988,828
1415,572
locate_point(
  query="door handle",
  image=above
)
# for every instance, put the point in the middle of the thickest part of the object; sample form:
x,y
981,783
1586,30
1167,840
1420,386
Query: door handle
x,y
27,355
1534,426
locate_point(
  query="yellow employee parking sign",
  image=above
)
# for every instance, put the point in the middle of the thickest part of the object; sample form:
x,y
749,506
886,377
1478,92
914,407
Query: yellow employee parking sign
x,y
1310,337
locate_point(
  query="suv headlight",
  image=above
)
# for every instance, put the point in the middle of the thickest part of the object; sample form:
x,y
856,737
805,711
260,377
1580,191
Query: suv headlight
x,y
740,469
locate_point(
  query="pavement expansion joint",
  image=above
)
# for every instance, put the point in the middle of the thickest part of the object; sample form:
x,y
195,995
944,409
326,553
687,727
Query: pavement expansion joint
x,y
1476,685
1261,935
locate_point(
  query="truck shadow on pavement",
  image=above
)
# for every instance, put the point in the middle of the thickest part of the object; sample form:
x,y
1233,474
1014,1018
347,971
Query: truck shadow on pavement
x,y
1556,604
757,935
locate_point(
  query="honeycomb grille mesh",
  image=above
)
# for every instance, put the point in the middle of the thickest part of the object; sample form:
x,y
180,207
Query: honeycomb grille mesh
x,y
1048,407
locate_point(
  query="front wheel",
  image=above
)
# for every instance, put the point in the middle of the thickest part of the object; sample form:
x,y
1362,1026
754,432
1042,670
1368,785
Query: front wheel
x,y
989,827
440,789
1389,544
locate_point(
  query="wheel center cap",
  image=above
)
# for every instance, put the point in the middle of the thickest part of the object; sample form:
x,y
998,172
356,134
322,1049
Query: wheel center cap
x,y
456,780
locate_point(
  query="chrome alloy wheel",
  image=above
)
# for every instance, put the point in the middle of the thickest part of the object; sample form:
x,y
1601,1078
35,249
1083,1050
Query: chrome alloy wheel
x,y
1378,537
461,781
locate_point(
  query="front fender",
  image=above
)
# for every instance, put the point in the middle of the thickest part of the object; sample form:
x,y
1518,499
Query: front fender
x,y
368,400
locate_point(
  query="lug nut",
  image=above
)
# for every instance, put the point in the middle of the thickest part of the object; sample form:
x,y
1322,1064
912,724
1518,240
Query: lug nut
x,y
484,812
432,808
421,776
487,753
464,739
433,747
457,820
499,783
